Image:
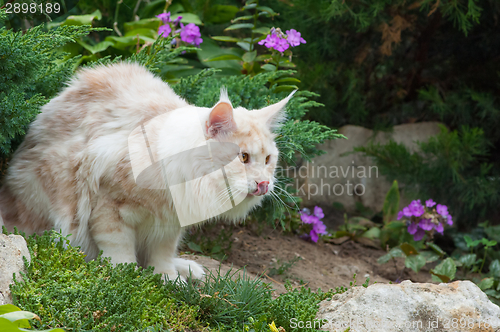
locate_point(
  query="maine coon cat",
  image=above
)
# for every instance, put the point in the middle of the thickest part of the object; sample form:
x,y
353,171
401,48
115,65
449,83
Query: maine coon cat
x,y
74,173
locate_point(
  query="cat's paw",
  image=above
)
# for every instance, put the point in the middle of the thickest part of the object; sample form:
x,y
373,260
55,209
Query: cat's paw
x,y
173,276
185,266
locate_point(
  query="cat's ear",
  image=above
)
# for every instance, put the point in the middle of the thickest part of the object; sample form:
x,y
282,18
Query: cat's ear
x,y
273,115
221,120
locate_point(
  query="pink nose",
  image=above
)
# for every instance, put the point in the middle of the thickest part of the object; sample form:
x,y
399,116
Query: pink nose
x,y
262,187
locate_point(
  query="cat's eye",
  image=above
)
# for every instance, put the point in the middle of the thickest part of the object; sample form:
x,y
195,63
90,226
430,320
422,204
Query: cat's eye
x,y
267,159
245,158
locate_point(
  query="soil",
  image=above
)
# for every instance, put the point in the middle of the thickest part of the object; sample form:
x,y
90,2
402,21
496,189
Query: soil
x,y
320,265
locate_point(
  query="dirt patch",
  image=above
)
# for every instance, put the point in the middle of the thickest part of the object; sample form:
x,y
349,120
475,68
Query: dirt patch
x,y
321,265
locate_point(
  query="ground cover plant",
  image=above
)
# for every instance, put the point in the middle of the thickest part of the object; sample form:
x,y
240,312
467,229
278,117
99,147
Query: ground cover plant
x,y
67,292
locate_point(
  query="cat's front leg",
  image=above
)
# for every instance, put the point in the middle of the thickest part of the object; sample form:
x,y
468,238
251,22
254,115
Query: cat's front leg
x,y
162,255
187,267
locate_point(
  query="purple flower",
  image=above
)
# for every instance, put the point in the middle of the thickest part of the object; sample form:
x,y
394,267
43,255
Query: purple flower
x,y
165,17
177,20
442,210
307,219
294,38
282,45
407,212
430,203
164,30
416,208
449,221
439,228
412,228
419,235
270,41
426,224
318,228
191,34
314,236
400,215
318,212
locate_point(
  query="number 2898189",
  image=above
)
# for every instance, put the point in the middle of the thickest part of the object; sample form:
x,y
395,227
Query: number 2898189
x,y
33,8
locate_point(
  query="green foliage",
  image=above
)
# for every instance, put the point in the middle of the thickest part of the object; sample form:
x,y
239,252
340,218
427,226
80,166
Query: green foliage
x,y
202,240
391,203
281,267
450,168
31,72
13,319
70,293
65,291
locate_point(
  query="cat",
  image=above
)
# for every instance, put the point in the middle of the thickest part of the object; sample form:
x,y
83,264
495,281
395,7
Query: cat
x,y
74,172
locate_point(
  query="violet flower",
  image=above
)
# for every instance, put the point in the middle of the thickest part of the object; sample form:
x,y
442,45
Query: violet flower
x,y
294,38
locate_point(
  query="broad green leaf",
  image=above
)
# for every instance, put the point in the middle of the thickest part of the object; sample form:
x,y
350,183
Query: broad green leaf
x,y
244,45
415,262
266,9
393,253
102,46
195,247
147,23
242,18
5,308
492,293
488,243
430,256
216,249
188,18
445,271
7,326
20,318
269,67
436,248
468,260
495,268
219,14
263,57
262,30
249,56
149,33
408,249
124,42
82,19
486,283
391,203
470,243
224,57
239,26
226,39
250,6
372,233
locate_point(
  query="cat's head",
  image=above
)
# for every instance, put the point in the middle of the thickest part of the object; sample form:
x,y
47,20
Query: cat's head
x,y
253,131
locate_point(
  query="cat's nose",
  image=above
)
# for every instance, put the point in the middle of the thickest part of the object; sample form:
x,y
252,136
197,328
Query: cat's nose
x,y
262,187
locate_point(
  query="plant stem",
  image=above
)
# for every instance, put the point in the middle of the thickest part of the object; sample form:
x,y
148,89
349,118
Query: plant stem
x,y
484,258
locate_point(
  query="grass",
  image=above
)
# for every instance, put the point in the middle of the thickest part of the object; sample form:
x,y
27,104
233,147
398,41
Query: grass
x,y
67,292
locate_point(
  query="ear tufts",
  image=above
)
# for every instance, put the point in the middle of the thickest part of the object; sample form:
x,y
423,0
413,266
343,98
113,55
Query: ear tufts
x,y
221,121
274,114
224,97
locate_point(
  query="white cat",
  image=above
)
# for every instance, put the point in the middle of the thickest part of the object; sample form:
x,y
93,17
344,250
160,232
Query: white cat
x,y
73,172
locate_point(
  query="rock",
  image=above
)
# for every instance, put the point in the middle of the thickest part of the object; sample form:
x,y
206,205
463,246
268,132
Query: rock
x,y
12,249
347,179
458,306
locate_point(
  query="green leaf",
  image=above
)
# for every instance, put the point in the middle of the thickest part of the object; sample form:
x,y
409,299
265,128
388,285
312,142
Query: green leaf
x,y
487,243
436,248
391,203
393,253
244,45
250,6
219,14
148,33
430,256
266,9
287,79
262,30
188,18
122,43
195,247
216,249
224,57
495,268
97,48
486,283
269,67
20,318
372,233
225,39
6,308
239,26
147,23
468,260
470,243
263,57
83,19
281,88
408,249
242,18
445,271
415,262
249,56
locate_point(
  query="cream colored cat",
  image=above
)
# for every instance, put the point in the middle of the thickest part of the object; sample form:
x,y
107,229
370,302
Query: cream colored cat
x,y
73,172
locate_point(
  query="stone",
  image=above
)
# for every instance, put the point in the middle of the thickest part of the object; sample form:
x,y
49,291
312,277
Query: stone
x,y
405,307
347,178
12,250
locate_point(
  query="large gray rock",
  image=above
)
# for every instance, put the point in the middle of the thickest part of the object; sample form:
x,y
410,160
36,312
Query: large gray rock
x,y
12,250
458,306
347,179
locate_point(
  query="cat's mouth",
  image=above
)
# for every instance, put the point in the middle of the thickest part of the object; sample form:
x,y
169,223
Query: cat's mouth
x,y
262,188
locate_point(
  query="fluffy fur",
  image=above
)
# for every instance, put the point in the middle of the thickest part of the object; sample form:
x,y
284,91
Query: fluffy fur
x,y
73,171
